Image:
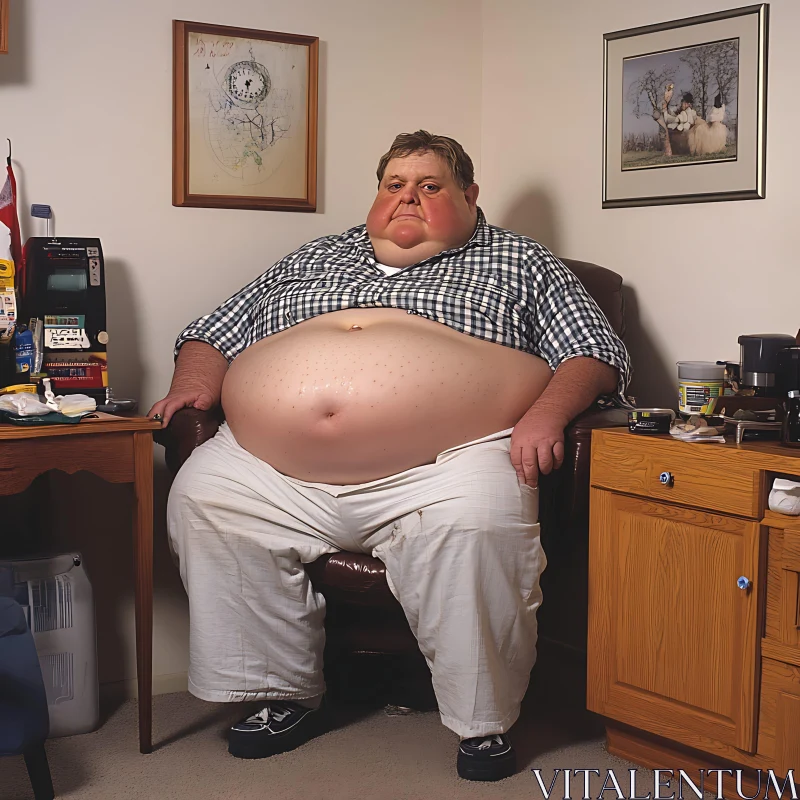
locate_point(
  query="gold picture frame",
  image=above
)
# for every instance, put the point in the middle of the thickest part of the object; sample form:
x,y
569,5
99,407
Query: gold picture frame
x,y
244,118
685,110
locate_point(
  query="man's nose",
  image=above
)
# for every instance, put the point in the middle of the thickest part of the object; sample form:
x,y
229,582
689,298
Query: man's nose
x,y
409,194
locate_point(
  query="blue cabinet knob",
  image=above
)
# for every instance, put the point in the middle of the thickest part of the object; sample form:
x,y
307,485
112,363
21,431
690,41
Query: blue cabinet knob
x,y
744,583
667,478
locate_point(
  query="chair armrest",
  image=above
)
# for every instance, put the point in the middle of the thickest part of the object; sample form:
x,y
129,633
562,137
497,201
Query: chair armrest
x,y
187,429
578,438
564,496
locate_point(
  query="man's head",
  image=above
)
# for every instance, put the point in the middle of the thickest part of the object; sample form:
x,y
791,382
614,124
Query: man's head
x,y
687,101
426,202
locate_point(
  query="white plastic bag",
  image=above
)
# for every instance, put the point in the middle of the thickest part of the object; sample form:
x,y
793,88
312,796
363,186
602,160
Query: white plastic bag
x,y
23,404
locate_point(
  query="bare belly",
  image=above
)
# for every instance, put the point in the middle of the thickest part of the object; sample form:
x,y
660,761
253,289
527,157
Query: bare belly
x,y
325,402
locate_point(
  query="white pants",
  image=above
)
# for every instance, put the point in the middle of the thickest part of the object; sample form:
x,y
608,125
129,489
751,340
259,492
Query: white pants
x,y
460,541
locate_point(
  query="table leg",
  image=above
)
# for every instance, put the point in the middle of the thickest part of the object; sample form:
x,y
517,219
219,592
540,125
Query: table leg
x,y
143,559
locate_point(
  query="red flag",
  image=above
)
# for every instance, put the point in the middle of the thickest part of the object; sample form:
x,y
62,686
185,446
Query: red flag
x,y
10,242
10,255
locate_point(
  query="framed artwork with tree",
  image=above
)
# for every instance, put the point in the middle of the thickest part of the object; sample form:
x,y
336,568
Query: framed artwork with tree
x,y
685,110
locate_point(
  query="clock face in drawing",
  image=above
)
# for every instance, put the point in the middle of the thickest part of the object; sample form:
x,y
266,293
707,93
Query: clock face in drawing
x,y
247,82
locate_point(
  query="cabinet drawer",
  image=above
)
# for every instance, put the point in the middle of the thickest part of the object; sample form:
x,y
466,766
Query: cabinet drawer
x,y
695,474
783,588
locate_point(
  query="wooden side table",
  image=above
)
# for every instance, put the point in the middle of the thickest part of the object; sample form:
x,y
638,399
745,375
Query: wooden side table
x,y
118,450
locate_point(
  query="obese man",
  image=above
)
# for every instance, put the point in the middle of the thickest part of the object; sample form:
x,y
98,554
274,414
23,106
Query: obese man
x,y
394,390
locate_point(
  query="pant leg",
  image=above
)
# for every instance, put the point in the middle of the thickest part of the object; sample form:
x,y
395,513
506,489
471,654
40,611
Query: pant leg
x,y
465,565
241,534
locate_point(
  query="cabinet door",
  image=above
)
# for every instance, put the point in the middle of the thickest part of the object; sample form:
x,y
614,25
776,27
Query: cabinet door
x,y
672,638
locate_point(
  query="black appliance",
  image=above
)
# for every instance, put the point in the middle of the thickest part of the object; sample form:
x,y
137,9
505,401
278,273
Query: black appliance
x,y
787,376
64,287
759,361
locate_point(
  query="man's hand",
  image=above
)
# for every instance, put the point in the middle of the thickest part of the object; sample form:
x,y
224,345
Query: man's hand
x,y
537,444
178,399
197,382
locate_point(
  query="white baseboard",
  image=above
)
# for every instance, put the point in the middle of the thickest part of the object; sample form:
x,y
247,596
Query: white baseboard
x,y
127,690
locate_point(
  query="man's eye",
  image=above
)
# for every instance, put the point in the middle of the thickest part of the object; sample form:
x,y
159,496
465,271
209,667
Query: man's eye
x,y
393,187
430,187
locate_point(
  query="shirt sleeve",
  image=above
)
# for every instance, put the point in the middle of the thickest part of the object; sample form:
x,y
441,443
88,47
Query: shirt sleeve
x,y
568,322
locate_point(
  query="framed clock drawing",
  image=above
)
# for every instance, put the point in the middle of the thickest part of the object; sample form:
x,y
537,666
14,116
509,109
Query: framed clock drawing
x,y
244,118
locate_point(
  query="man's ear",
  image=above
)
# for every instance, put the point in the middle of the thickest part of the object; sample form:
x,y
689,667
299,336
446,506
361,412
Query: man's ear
x,y
471,195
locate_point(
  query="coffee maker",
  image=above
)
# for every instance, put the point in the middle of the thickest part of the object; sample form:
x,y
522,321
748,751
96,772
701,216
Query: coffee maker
x,y
759,362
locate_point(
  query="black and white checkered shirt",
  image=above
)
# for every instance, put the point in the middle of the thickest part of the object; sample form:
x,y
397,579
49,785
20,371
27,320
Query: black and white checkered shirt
x,y
499,286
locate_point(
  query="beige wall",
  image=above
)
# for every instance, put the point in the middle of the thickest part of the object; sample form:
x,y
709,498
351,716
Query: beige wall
x,y
86,97
698,275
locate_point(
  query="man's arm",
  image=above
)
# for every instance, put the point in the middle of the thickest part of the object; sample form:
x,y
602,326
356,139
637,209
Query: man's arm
x,y
586,355
196,382
537,442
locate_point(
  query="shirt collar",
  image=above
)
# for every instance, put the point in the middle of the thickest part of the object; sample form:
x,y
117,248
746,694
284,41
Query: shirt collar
x,y
481,237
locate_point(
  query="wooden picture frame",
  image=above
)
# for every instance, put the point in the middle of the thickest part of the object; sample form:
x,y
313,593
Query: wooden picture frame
x,y
4,25
685,110
244,118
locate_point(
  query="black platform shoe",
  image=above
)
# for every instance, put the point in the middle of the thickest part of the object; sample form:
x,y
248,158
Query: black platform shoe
x,y
278,727
486,758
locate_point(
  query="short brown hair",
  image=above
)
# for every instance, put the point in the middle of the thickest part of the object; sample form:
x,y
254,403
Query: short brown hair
x,y
449,150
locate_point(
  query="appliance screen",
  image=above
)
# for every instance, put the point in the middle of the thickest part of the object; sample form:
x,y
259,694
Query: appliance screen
x,y
67,280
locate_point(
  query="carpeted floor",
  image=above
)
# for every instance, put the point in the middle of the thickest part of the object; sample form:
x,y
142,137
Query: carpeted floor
x,y
369,756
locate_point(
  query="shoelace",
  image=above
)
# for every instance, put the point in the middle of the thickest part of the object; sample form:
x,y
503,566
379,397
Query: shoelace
x,y
489,741
276,711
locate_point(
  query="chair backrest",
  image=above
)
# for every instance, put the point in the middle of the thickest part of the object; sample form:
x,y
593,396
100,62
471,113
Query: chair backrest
x,y
605,287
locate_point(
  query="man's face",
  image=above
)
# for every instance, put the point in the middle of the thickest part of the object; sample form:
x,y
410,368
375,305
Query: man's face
x,y
685,105
419,211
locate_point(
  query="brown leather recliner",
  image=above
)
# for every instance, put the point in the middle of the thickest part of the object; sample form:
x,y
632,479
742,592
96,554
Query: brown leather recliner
x,y
362,614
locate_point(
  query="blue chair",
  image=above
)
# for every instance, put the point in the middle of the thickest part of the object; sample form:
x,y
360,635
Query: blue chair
x,y
24,718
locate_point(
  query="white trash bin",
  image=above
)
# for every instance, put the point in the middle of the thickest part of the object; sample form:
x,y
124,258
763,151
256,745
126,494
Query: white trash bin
x,y
56,596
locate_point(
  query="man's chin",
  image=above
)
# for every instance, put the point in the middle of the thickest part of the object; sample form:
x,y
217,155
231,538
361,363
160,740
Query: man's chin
x,y
407,244
405,239
406,235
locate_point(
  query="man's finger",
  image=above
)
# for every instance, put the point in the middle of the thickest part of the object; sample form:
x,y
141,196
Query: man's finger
x,y
170,407
530,466
545,455
516,462
558,454
158,408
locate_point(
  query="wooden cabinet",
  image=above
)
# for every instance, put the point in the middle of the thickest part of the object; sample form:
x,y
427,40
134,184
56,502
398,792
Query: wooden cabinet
x,y
694,602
